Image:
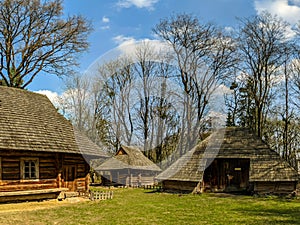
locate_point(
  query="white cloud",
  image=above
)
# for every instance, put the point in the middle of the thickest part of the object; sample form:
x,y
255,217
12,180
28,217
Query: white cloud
x,y
105,23
123,40
289,10
129,45
105,19
126,45
149,4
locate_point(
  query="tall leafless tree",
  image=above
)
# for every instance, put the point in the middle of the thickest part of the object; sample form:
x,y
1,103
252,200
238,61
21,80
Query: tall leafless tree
x,y
117,79
261,42
36,38
145,69
157,114
203,56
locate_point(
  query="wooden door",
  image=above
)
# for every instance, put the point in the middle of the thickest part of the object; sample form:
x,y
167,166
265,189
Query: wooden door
x,y
237,172
227,174
69,177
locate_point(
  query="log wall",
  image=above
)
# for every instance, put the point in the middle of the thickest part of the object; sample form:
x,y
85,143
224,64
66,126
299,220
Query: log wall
x,y
179,185
278,187
125,178
50,168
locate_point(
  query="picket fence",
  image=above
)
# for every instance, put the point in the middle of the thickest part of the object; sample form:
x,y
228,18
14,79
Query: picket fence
x,y
101,195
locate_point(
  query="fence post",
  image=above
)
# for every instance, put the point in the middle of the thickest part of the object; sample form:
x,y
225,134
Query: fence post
x,y
92,196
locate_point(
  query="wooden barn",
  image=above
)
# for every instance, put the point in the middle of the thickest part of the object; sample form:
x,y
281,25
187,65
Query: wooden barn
x,y
231,160
41,154
129,167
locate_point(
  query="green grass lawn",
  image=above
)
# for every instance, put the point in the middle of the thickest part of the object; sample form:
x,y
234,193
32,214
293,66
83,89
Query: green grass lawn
x,y
138,206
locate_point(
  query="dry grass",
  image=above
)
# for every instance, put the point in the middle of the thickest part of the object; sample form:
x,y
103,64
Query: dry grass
x,y
137,206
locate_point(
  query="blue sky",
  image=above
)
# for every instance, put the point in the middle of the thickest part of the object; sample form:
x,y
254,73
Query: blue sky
x,y
116,22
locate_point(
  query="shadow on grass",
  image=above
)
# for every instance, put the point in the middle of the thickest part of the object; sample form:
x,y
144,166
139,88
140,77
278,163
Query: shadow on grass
x,y
151,191
272,216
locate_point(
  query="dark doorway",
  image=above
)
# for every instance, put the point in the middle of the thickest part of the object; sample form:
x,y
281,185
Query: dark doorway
x,y
229,175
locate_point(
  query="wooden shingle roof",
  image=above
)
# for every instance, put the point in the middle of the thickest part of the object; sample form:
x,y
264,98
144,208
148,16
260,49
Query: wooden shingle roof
x,y
235,143
128,157
29,121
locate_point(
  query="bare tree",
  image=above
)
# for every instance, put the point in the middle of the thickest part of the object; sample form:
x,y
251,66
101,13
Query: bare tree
x,y
84,103
165,114
35,38
280,129
295,76
117,78
145,69
138,99
74,103
261,41
203,56
156,112
288,115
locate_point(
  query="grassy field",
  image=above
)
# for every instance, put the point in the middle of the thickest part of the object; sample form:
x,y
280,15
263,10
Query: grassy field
x,y
138,206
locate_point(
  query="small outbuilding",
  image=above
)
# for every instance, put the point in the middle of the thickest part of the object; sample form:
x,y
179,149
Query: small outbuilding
x,y
41,154
231,160
128,167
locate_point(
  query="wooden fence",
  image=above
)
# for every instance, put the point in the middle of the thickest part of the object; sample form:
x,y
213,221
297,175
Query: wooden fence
x,y
101,195
157,187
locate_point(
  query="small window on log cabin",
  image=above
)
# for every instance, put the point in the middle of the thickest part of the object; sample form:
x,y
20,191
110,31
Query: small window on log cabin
x,y
29,168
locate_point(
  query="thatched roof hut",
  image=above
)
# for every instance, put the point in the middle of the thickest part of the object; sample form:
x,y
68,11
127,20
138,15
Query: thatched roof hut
x,y
129,162
231,159
129,157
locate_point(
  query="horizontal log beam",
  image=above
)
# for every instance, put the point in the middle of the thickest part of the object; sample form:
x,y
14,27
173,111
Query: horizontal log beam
x,y
32,192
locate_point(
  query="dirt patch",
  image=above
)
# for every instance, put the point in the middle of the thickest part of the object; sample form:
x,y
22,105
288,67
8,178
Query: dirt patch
x,y
31,206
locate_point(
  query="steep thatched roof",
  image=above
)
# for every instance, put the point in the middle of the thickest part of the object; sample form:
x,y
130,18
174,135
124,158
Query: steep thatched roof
x,y
265,164
128,158
29,121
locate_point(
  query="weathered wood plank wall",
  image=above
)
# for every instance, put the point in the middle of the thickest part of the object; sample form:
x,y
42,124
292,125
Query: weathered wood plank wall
x,y
179,185
274,187
50,170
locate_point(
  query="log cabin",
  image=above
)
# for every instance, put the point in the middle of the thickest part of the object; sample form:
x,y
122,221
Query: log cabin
x,y
41,154
128,167
231,160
